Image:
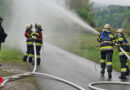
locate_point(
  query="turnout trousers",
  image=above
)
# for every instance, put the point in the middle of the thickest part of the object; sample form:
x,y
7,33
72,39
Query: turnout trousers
x,y
38,49
124,66
29,53
107,54
123,61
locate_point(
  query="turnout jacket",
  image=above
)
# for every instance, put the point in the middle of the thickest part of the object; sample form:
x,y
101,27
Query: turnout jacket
x,y
39,36
28,34
106,39
122,42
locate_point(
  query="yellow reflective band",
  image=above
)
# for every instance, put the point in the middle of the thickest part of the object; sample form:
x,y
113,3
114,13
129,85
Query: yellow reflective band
x,y
34,37
121,53
111,36
98,38
39,44
114,40
106,47
123,70
38,56
29,42
120,39
109,63
32,33
26,54
102,61
36,33
31,55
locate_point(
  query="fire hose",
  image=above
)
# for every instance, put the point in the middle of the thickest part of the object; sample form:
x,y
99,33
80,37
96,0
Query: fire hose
x,y
91,85
27,74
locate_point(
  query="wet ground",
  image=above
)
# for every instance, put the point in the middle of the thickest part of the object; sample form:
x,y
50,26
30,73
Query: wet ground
x,y
73,68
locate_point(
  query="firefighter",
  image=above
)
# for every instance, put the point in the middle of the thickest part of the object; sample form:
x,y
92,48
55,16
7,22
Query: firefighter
x,y
123,43
38,41
106,49
29,41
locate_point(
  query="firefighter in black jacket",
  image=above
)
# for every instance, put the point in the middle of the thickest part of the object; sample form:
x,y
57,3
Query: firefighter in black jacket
x,y
38,41
29,41
106,49
123,43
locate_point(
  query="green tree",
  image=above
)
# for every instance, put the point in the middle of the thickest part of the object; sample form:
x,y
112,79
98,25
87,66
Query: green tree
x,y
83,8
116,16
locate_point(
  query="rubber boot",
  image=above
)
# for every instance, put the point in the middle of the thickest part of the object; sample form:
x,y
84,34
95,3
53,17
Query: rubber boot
x,y
38,61
128,71
102,71
24,58
30,60
109,75
123,75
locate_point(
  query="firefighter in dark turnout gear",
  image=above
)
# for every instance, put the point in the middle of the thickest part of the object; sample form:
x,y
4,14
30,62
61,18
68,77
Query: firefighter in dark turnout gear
x,y
38,41
123,43
106,49
29,41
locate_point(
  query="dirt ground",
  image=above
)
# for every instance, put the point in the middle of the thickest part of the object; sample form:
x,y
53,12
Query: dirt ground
x,y
27,83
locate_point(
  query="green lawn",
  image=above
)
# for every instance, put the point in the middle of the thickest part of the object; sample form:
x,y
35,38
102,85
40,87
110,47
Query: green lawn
x,y
11,55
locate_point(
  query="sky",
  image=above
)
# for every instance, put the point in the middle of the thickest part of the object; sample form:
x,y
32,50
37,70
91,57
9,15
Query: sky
x,y
113,2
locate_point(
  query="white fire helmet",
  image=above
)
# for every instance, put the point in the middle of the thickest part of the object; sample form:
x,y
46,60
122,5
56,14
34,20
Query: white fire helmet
x,y
29,26
120,30
107,26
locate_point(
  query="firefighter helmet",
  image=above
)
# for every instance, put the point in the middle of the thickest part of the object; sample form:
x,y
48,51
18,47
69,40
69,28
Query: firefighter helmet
x,y
29,26
38,25
120,30
107,26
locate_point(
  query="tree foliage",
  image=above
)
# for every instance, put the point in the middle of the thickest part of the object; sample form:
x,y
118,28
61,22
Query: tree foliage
x,y
116,16
83,8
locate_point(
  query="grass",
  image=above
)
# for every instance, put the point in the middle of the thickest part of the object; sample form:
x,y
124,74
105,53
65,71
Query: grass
x,y
11,55
85,45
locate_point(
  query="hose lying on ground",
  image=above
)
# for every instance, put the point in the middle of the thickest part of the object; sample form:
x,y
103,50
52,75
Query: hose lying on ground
x,y
91,85
18,76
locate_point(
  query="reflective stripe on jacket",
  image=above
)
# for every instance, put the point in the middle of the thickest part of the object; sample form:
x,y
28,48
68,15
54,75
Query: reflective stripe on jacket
x,y
28,34
106,44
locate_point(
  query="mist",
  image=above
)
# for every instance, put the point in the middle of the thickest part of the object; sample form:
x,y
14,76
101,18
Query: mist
x,y
59,24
